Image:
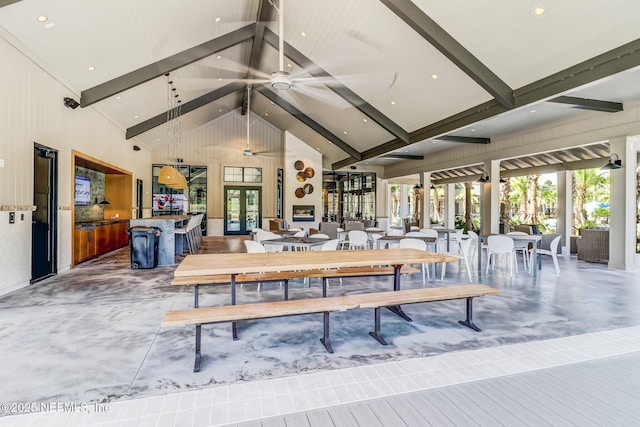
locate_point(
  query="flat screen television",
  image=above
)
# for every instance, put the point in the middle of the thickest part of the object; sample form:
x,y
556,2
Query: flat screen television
x,y
82,191
168,202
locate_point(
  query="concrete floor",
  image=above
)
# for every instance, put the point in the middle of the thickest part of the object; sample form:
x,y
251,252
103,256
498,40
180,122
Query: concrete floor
x,y
92,334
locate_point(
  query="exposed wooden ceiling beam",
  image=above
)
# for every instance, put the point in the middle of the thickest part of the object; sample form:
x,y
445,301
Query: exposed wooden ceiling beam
x,y
160,68
187,107
604,65
414,17
337,87
4,3
589,104
402,156
464,139
264,12
291,109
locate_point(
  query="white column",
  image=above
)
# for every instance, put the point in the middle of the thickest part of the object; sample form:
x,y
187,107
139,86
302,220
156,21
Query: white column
x,y
425,217
450,206
622,223
490,199
564,225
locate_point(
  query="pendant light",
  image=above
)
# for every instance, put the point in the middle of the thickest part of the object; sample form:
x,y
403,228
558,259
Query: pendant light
x,y
169,175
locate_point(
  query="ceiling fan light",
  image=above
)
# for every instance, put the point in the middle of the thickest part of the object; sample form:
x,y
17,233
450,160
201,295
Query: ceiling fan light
x,y
280,80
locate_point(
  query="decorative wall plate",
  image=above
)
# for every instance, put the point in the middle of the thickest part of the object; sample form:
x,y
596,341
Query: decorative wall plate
x,y
299,193
301,176
308,188
299,165
309,172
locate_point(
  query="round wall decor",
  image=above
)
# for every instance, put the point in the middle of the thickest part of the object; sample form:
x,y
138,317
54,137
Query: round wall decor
x,y
299,165
309,172
301,176
308,188
299,193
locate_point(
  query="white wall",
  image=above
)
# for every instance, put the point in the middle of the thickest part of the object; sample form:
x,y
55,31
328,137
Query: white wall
x,y
296,149
220,143
32,110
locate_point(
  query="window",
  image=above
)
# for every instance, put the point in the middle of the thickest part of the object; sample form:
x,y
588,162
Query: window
x,y
238,174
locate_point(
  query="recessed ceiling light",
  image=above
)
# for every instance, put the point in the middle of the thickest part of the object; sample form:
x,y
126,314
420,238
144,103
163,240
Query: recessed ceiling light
x,y
434,76
289,65
318,148
91,68
406,151
118,97
220,79
218,19
532,111
539,11
135,117
219,57
42,18
365,120
220,110
393,102
434,142
473,130
157,139
345,132
303,34
266,114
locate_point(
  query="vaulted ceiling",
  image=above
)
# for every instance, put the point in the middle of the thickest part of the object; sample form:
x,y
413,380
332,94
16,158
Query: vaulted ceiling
x,y
373,80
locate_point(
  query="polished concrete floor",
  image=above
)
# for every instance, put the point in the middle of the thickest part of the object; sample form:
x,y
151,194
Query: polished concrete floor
x,y
92,334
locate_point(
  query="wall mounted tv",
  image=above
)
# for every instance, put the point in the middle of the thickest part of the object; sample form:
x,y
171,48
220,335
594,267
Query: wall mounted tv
x,y
82,191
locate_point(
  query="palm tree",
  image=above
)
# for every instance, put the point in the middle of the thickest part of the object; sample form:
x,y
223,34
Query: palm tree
x,y
518,196
505,206
532,200
586,183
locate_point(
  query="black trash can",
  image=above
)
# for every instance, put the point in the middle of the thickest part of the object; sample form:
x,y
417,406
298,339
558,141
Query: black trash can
x,y
143,242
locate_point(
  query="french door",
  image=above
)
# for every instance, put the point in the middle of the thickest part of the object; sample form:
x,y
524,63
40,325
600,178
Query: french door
x,y
242,209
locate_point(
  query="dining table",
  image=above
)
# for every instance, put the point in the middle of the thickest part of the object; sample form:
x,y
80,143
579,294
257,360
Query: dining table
x,y
534,239
203,265
292,242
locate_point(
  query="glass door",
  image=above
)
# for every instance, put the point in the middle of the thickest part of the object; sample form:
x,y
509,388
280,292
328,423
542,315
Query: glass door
x,y
242,209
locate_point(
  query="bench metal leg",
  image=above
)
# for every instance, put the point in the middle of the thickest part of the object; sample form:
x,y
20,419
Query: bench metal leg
x,y
376,332
286,289
469,321
196,366
324,287
397,310
195,296
234,327
325,338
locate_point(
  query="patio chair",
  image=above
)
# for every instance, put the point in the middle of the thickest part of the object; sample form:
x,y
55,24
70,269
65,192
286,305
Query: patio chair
x,y
552,251
420,245
501,245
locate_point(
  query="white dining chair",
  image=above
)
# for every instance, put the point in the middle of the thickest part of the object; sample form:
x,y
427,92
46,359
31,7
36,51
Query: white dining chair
x,y
358,239
254,247
501,245
420,245
301,233
552,251
319,236
331,245
521,247
415,234
463,255
473,236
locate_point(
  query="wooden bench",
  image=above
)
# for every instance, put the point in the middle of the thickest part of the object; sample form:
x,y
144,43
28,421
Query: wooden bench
x,y
393,300
376,300
285,276
263,310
